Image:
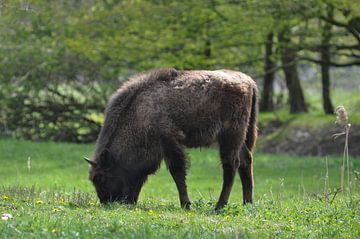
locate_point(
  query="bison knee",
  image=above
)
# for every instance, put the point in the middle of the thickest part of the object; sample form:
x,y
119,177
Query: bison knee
x,y
245,157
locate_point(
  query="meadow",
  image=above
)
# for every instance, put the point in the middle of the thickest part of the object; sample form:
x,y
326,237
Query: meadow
x,y
44,187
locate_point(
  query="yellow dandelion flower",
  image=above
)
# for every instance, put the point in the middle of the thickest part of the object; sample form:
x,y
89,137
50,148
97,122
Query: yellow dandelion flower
x,y
138,210
151,212
56,210
55,230
5,197
39,202
190,213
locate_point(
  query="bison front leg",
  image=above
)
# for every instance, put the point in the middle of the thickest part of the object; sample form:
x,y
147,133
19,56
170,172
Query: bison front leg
x,y
176,160
246,174
135,191
178,172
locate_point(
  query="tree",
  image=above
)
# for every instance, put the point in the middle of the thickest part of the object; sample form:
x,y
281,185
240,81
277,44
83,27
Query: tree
x,y
267,103
339,39
325,56
289,66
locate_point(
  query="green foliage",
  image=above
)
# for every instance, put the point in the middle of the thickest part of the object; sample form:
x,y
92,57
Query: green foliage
x,y
61,112
290,198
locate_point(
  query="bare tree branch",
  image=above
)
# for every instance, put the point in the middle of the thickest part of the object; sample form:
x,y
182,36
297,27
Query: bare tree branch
x,y
347,64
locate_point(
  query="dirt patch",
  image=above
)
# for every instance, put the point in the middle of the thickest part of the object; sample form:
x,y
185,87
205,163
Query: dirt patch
x,y
302,140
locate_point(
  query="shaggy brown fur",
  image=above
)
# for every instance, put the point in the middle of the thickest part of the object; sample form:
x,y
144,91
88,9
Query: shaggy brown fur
x,y
155,115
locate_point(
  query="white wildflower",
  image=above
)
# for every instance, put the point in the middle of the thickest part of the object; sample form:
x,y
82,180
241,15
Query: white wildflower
x,y
6,216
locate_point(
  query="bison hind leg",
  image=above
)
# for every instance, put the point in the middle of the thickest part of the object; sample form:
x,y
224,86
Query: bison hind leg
x,y
246,174
230,143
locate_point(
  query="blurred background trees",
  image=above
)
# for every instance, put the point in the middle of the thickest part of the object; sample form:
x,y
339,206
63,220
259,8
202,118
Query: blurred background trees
x,y
61,60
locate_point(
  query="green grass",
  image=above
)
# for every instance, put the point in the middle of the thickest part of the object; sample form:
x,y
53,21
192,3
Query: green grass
x,y
316,117
55,199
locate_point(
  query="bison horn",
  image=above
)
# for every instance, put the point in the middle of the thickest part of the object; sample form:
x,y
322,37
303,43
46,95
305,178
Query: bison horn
x,y
92,163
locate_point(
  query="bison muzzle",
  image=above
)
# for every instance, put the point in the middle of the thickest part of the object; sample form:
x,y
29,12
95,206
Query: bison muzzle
x,y
157,114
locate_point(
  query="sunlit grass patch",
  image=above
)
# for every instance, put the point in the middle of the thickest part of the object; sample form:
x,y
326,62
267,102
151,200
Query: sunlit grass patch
x,y
267,217
55,198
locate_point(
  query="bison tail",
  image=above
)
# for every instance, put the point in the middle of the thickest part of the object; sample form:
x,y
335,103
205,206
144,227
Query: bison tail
x,y
251,134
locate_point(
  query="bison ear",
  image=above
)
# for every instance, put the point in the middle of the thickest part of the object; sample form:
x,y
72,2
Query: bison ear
x,y
105,159
92,163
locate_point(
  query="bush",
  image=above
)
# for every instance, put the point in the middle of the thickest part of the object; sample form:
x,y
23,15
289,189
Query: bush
x,y
60,113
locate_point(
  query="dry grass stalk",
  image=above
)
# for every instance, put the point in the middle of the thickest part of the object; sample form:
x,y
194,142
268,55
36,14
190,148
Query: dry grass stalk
x,y
342,120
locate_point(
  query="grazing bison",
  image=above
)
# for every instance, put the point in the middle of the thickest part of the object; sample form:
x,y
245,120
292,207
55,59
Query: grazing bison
x,y
155,115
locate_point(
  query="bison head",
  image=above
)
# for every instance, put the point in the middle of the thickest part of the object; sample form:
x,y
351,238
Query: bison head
x,y
110,180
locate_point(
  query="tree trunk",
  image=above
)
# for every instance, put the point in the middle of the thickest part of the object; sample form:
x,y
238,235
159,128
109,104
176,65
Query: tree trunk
x,y
267,103
207,50
325,67
325,80
289,65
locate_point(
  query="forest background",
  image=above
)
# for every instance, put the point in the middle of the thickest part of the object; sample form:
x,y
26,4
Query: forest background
x,y
61,60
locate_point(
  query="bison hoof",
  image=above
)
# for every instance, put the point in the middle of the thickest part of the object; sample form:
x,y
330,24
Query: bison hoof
x,y
248,201
219,206
186,205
